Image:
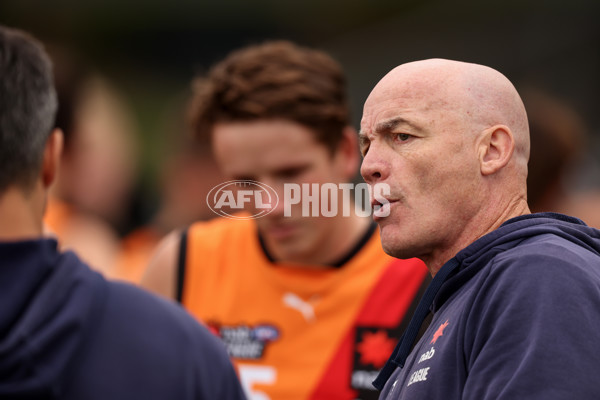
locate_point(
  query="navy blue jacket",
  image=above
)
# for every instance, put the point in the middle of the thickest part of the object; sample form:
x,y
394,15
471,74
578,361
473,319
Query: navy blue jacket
x,y
518,318
67,333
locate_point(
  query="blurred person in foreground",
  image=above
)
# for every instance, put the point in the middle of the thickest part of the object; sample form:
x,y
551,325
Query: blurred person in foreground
x,y
66,332
513,311
309,306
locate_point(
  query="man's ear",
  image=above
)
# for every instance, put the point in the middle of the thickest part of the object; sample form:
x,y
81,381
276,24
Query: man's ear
x,y
51,160
347,150
496,148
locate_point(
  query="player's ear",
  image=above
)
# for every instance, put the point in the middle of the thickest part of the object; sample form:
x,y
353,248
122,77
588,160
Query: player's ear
x,y
51,160
496,147
347,151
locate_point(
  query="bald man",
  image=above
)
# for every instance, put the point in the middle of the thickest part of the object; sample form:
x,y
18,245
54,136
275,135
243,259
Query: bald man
x,y
513,311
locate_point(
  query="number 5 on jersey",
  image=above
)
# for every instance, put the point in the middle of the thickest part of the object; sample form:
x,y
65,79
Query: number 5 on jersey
x,y
250,375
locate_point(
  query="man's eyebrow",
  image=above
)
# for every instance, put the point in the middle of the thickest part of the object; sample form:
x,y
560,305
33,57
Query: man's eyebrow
x,y
391,124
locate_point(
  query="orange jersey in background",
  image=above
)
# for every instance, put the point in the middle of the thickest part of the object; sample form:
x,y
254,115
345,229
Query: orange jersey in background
x,y
298,332
137,249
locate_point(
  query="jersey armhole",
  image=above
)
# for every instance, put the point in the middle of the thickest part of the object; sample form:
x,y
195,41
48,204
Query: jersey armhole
x,y
181,258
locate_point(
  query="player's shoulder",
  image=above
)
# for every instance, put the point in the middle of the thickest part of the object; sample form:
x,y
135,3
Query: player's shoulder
x,y
236,222
547,255
548,266
202,239
221,229
143,311
140,330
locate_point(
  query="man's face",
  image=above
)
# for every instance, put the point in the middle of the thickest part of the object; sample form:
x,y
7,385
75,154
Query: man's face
x,y
276,153
420,145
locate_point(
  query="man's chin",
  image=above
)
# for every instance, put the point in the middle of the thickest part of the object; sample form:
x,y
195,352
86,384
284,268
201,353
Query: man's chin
x,y
394,249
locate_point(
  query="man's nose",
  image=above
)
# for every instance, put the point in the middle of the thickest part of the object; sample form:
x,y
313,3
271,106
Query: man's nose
x,y
373,168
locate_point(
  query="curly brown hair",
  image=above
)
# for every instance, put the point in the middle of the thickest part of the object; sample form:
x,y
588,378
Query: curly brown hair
x,y
273,80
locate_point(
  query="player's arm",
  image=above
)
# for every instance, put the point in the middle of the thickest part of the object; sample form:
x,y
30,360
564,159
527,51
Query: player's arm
x,y
160,275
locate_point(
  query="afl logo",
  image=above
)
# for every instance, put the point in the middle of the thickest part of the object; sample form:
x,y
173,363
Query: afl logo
x,y
228,198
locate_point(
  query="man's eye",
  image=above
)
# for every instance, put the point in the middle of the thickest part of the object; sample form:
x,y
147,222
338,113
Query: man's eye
x,y
403,137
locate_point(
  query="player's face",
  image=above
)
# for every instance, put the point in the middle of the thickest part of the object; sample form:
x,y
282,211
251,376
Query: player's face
x,y
276,153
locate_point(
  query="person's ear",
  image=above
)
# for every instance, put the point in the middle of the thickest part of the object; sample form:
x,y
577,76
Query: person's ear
x,y
347,151
496,148
51,160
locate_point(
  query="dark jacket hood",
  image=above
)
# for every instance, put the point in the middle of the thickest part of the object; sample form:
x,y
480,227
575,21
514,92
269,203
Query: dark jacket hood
x,y
42,327
478,254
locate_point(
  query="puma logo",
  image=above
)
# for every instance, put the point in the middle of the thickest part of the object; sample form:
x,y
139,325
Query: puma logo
x,y
304,307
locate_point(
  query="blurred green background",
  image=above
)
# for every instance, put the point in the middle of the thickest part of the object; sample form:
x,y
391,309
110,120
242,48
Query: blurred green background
x,y
151,49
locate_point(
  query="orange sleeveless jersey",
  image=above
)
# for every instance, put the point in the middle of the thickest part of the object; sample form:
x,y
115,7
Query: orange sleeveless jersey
x,y
298,333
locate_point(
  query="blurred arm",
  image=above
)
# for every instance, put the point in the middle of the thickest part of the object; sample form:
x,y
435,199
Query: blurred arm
x,y
159,277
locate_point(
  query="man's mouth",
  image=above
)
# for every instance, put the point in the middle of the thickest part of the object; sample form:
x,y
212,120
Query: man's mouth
x,y
381,208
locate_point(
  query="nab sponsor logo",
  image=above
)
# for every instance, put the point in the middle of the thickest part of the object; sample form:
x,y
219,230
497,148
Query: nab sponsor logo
x,y
245,341
229,198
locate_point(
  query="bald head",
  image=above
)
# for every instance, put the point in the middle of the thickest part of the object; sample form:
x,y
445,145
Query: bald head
x,y
478,94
